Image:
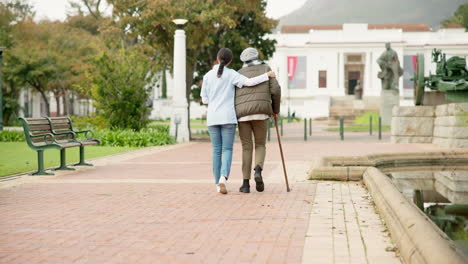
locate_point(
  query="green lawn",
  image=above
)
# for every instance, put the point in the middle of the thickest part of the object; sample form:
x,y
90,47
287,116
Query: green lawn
x,y
17,157
360,128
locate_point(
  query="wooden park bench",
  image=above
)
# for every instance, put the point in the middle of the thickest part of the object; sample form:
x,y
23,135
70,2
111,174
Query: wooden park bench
x,y
55,133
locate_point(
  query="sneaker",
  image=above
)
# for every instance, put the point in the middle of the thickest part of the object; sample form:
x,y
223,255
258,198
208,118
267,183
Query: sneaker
x,y
260,186
218,189
222,185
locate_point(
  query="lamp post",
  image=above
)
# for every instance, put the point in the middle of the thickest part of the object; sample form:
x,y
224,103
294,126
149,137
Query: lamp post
x,y
1,91
179,99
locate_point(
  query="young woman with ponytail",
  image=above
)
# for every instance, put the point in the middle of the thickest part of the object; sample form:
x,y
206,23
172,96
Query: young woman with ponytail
x,y
218,92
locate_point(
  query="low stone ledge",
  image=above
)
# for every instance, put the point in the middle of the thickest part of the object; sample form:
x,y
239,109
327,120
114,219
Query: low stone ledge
x,y
399,159
413,111
451,132
407,140
346,161
453,121
337,173
457,109
417,238
453,109
412,126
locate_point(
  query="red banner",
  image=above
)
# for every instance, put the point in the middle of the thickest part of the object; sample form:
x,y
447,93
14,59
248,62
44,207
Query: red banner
x,y
292,64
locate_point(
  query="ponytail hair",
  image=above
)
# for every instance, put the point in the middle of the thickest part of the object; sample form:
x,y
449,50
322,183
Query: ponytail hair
x,y
224,57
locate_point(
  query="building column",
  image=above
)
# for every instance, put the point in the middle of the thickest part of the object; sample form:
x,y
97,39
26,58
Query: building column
x,y
36,104
179,99
21,102
367,75
341,74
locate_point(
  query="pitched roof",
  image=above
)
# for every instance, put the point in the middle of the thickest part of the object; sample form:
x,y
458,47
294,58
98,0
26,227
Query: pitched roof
x,y
294,29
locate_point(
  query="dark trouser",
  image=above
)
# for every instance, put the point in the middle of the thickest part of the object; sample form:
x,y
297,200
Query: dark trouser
x,y
259,130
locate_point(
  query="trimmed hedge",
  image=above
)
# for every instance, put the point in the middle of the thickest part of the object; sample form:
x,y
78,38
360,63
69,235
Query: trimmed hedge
x,y
12,136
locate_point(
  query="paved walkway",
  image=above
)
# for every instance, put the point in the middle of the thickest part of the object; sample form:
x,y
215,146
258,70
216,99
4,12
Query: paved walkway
x,y
159,205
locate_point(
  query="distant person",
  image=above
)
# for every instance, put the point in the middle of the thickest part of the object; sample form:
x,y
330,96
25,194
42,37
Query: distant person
x,y
218,91
254,106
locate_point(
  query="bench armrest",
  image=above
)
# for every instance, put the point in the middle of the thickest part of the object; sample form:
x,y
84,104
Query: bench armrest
x,y
66,132
86,133
47,135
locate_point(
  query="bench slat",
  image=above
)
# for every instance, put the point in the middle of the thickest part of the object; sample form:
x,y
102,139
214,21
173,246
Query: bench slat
x,y
37,121
61,127
69,145
40,132
39,127
60,120
39,139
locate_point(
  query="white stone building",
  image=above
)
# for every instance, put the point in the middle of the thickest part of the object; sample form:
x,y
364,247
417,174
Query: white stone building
x,y
33,105
319,66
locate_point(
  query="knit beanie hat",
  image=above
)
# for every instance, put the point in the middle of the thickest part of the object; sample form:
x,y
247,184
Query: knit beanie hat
x,y
249,54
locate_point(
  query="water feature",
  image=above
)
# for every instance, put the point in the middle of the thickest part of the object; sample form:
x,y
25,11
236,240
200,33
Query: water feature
x,y
442,194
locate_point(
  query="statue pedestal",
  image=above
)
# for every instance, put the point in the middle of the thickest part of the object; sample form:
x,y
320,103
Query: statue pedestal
x,y
388,99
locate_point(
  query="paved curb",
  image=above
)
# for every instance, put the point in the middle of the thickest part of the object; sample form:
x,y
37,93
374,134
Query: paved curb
x,y
348,173
400,159
417,238
343,168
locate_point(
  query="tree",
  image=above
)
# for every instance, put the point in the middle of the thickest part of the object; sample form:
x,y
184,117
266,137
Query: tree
x,y
12,13
120,87
50,57
459,18
212,24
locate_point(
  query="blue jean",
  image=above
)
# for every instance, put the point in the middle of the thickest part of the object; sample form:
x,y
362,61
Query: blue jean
x,y
222,139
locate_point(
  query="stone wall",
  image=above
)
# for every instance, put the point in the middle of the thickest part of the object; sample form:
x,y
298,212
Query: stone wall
x,y
412,124
443,125
451,125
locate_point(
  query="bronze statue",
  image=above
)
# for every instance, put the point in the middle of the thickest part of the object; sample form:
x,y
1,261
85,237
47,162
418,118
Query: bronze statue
x,y
391,70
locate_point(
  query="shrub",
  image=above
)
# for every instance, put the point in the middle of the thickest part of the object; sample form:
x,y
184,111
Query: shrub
x,y
88,122
146,137
120,88
12,136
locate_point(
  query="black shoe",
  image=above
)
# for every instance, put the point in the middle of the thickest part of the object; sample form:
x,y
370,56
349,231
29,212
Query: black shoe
x,y
245,188
258,179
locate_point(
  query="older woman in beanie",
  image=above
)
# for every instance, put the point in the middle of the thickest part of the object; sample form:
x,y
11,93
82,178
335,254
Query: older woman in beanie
x,y
254,106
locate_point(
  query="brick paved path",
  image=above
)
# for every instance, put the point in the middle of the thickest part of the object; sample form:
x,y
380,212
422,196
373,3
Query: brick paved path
x,y
159,205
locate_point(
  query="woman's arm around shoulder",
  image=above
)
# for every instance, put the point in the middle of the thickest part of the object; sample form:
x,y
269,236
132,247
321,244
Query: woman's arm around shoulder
x,y
241,81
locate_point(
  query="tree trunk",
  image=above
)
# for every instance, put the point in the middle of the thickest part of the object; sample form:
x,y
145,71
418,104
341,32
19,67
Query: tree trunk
x,y
65,102
164,83
57,101
72,104
46,100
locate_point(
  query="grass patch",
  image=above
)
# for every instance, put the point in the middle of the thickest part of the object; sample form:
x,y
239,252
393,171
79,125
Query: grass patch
x,y
364,118
358,128
17,157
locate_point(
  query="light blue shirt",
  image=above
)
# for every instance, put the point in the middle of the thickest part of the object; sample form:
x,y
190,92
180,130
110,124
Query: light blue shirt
x,y
219,93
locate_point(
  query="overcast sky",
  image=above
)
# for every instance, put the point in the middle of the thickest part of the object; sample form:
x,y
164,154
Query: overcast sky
x,y
57,9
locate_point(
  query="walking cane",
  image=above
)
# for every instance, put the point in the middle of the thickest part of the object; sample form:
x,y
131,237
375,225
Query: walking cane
x,y
282,156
